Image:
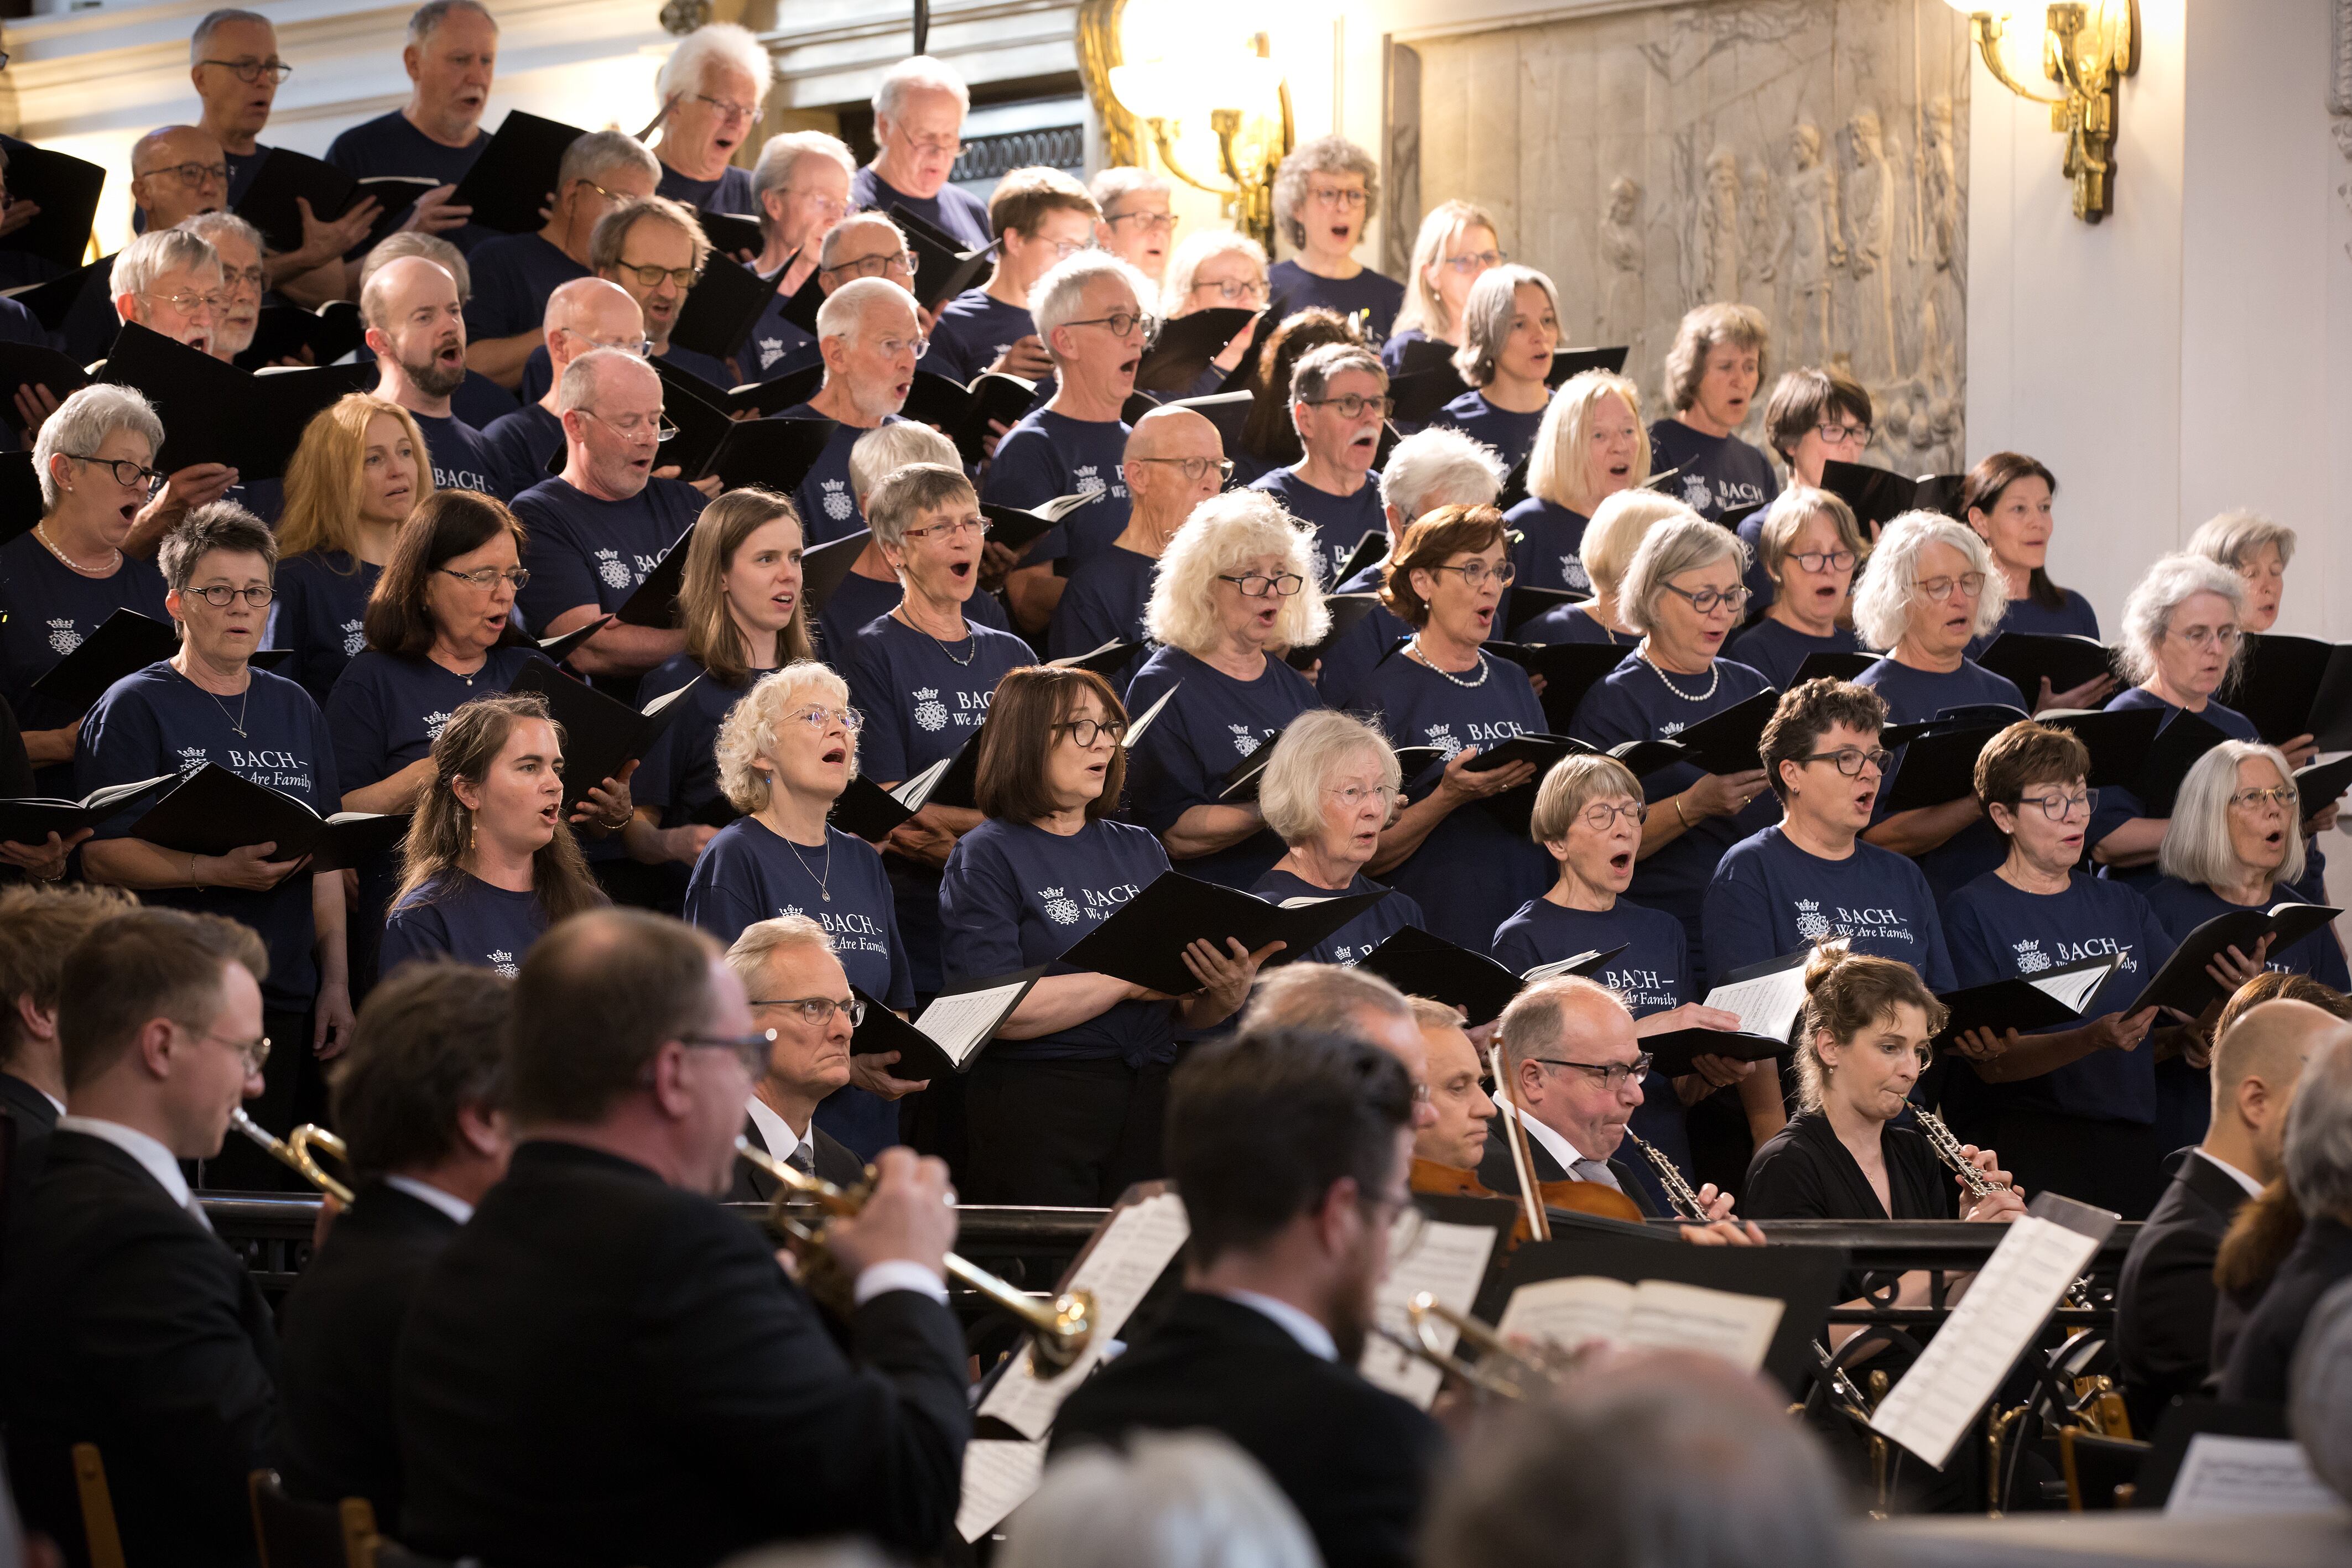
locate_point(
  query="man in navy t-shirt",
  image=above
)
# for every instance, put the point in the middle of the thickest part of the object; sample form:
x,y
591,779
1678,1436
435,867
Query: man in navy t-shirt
x,y
592,534
515,274
711,88
1039,216
416,326
451,56
918,111
1175,462
583,314
656,250
1338,401
869,335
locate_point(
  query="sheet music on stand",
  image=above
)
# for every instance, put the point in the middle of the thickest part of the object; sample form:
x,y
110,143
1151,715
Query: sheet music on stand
x,y
2226,1477
1126,1257
1449,1264
1766,995
998,1476
1655,1314
1938,1401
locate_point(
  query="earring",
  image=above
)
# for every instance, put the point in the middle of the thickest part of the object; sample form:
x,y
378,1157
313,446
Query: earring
x,y
473,830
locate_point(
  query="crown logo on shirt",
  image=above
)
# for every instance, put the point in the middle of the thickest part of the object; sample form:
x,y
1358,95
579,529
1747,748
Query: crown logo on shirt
x,y
838,502
433,722
611,569
63,638
1084,481
1441,736
1811,923
2031,958
1061,911
503,962
770,350
1245,739
192,758
930,713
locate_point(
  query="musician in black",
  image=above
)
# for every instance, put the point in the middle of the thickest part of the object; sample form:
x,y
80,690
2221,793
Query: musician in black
x,y
419,1101
38,926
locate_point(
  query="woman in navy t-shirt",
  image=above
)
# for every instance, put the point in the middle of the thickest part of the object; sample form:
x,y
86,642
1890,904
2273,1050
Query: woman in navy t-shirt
x,y
360,471
489,863
2006,499
1238,582
1455,246
1064,1105
1511,327
1444,690
1712,373
1326,194
1589,446
1329,790
1811,547
1814,418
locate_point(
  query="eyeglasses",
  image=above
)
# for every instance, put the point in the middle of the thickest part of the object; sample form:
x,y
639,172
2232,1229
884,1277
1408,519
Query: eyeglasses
x,y
1409,1230
827,205
817,1011
650,277
1149,223
936,146
220,595
1347,199
751,1050
2203,637
255,1051
129,475
2061,806
873,266
1257,585
188,303
1122,323
1477,261
616,197
488,576
1353,405
2283,796
251,72
948,531
1477,573
1601,815
893,347
643,348
1234,290
1195,468
728,107
823,718
1851,759
1086,731
1613,1075
1820,560
1967,585
1351,796
631,426
193,173
1066,248
252,278
1708,600
1840,435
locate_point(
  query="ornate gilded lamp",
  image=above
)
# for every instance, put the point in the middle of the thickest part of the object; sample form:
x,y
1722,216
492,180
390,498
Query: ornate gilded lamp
x,y
2086,49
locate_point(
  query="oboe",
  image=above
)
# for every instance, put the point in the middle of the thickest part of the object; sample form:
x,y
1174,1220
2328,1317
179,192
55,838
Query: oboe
x,y
1679,1191
1947,1146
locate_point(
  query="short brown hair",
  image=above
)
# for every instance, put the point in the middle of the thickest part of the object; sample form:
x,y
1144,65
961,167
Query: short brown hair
x,y
1847,992
1803,398
610,238
1428,541
1030,705
1023,197
428,1042
39,925
2028,753
593,1001
1806,712
445,525
1705,329
222,526
2277,986
140,965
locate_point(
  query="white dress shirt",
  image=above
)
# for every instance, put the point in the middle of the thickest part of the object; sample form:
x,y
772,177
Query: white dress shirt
x,y
1312,1337
774,1132
2253,1188
153,1158
892,1274
455,1207
1579,1165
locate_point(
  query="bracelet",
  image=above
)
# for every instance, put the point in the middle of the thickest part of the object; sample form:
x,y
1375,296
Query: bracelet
x,y
192,870
1678,814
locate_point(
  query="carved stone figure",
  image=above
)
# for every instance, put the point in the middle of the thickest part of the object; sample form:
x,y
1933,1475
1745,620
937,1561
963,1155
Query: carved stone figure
x,y
1869,210
1812,244
1718,222
1619,320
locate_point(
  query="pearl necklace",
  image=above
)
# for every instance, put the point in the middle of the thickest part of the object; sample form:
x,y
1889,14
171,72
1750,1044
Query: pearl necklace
x,y
114,562
1427,664
1714,678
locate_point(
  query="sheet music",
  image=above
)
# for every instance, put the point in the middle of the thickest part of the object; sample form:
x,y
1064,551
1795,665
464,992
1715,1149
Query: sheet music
x,y
1766,1004
1656,1315
998,1476
1134,1248
1449,1264
1546,971
1568,1313
2225,1476
2075,987
1135,731
916,792
958,1024
1936,1403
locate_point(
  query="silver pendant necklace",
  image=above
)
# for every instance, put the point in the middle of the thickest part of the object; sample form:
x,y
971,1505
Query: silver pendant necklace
x,y
820,878
971,642
238,723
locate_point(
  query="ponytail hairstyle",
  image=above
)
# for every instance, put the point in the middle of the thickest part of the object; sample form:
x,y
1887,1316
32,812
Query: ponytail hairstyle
x,y
442,831
1846,993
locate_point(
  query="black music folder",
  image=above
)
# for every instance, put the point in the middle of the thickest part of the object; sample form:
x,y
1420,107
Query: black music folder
x,y
1879,496
53,301
212,812
1528,600
1731,741
66,188
1346,610
30,820
2170,756
655,603
2295,685
1418,395
962,414
288,333
1184,346
515,175
286,176
1935,766
20,495
801,305
600,735
728,235
1571,670
124,643
946,1037
775,453
2026,1003
1421,964
559,647
215,413
1015,527
2066,660
2183,984
1831,667
2118,740
864,809
823,566
722,308
2322,782
1145,941
34,364
943,268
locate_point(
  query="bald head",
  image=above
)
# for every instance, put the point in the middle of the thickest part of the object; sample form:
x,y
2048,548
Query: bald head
x,y
1156,449
2257,1064
859,237
590,313
403,284
176,172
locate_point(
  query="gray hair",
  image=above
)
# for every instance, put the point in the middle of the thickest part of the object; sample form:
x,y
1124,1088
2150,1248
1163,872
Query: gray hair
x,y
86,419
906,494
917,72
2319,1389
1316,995
763,939
883,450
714,44
1332,154
432,247
1882,599
209,227
1172,1500
1673,547
1486,317
780,157
845,310
599,152
2235,537
214,21
828,247
222,526
2147,611
2196,847
1124,179
2319,1132
1791,510
1440,466
1319,367
426,19
1184,263
1312,748
1536,1018
1223,532
578,388
138,265
1058,297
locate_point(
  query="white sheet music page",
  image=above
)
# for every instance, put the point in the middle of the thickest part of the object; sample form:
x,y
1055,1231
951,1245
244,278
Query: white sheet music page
x,y
958,1024
998,1476
1134,1248
916,792
2223,1477
2076,983
1938,1401
1569,1313
1449,1264
1665,1315
1766,1004
1546,971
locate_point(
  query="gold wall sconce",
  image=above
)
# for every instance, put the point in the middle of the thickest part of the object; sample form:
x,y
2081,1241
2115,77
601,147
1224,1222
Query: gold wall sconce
x,y
2086,49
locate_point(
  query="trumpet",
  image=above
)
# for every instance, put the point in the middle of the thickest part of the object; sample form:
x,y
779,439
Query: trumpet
x,y
1679,1191
1059,1331
1502,1369
293,1151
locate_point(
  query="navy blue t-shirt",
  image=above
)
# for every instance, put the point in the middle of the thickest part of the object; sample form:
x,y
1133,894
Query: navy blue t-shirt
x,y
1048,454
1512,435
521,444
1359,936
459,915
1356,652
539,371
974,329
1014,895
2118,805
1211,723
1780,650
857,600
1104,599
1341,522
157,721
2073,617
826,499
46,611
730,194
1717,474
954,209
1570,624
321,613
1372,300
747,873
1913,696
2000,932
775,347
1633,702
1393,351
513,275
1549,537
1769,898
390,145
461,459
680,772
386,712
1417,705
2182,908
581,550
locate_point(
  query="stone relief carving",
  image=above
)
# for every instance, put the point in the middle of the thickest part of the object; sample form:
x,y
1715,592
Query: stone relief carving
x,y
1804,156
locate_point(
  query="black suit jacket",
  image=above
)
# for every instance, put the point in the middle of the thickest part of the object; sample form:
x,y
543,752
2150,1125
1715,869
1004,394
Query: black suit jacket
x,y
2164,1300
342,1324
125,1322
835,1162
2257,1373
601,1368
1355,1461
1498,1174
29,1111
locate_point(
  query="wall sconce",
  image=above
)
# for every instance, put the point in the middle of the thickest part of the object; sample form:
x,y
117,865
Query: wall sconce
x,y
2086,48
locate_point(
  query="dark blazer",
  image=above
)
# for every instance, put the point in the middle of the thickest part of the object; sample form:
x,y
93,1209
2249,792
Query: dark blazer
x,y
1355,1461
125,1321
2258,1367
835,1162
341,1323
604,1369
29,1111
1498,1174
2165,1299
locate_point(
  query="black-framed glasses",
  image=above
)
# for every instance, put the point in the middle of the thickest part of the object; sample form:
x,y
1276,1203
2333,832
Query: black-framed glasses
x,y
650,277
1353,405
255,1052
1121,323
1086,731
1820,560
1611,1074
1477,573
1969,584
1834,434
751,1050
1708,600
249,72
1257,584
1346,198
873,266
1601,815
817,1011
127,474
191,174
220,595
488,576
1849,759
1195,469
2059,805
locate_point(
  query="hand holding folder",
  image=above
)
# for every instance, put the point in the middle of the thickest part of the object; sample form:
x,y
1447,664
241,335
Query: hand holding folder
x,y
1144,943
